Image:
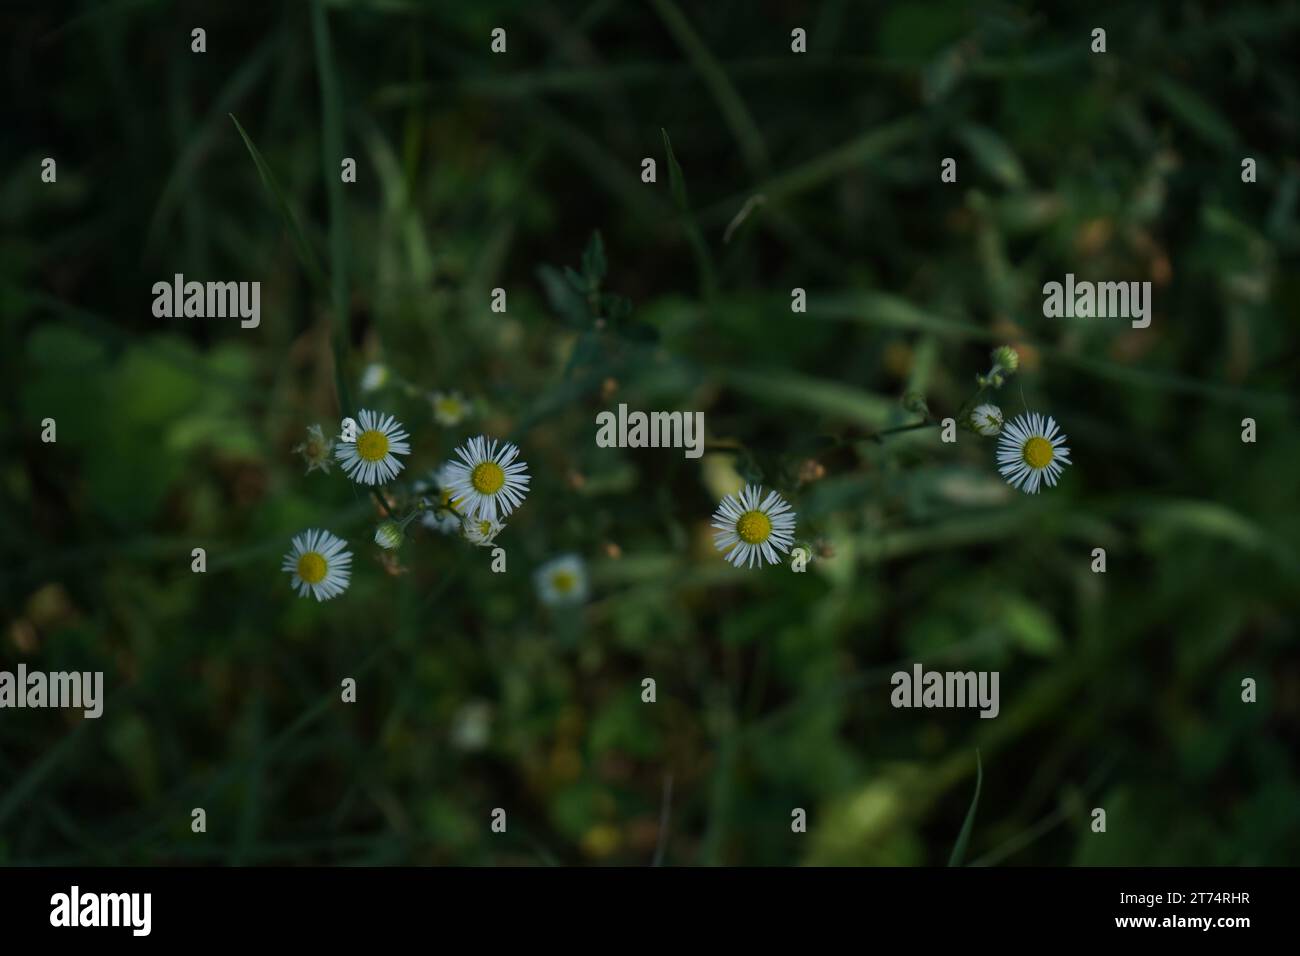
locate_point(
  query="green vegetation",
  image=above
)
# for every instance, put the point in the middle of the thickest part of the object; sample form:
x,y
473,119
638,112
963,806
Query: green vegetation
x,y
775,170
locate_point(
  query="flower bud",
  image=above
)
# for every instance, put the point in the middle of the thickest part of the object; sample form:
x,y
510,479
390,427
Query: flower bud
x,y
987,420
389,536
1006,358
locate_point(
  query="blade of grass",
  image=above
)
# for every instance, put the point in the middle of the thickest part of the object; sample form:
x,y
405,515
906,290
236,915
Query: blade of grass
x,y
331,157
868,147
963,838
197,145
606,169
17,793
732,107
301,245
677,184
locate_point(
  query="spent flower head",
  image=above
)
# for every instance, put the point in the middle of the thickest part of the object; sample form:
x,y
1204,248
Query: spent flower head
x,y
316,450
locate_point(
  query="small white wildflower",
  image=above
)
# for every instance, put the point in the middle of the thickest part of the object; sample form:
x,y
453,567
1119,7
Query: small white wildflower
x,y
562,581
319,564
1031,452
374,377
750,532
449,408
489,482
370,459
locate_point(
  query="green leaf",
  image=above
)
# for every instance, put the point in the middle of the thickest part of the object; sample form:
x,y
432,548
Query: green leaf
x,y
993,155
617,307
891,312
1199,115
642,332
676,179
593,260
811,394
563,297
963,838
578,283
1031,628
1169,517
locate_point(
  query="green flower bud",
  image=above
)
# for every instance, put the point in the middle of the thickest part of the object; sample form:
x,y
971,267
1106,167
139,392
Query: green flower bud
x,y
389,536
1006,358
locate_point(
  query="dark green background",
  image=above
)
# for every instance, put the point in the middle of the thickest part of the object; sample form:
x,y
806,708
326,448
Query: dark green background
x,y
475,171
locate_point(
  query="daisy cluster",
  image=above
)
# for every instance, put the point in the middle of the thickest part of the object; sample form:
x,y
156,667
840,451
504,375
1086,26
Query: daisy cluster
x,y
473,493
1031,450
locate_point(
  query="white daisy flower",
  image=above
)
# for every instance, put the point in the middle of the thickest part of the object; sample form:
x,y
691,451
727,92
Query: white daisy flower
x,y
374,377
449,408
319,564
370,459
440,515
316,450
481,531
562,581
987,420
1031,452
752,532
489,482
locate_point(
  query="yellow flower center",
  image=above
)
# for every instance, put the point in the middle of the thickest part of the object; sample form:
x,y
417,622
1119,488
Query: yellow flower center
x,y
484,527
754,527
564,581
449,407
1038,452
487,478
372,445
312,568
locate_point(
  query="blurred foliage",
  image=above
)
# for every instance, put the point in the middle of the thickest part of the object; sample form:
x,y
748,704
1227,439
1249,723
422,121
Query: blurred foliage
x,y
775,170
